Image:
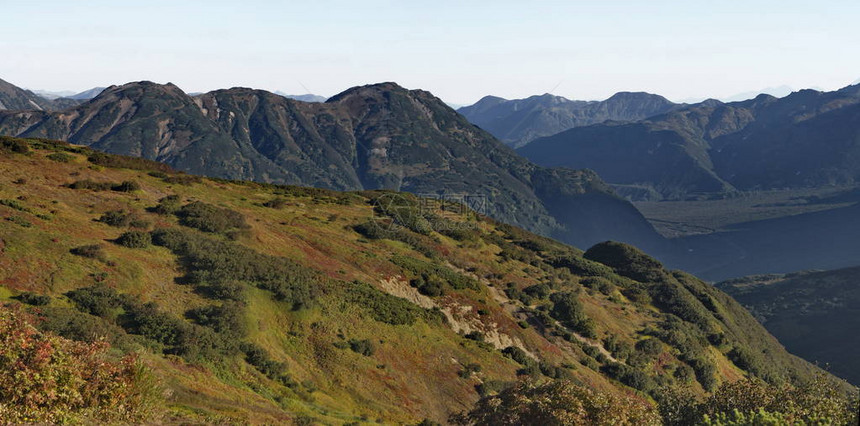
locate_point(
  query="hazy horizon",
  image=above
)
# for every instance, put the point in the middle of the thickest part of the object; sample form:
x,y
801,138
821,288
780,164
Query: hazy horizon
x,y
460,52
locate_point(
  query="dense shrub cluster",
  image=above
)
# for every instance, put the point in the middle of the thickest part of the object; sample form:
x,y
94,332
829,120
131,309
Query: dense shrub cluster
x,y
568,310
209,218
76,325
469,369
260,359
210,261
91,185
56,380
182,179
134,239
33,298
60,157
123,162
174,334
558,402
127,186
628,261
228,319
376,231
630,376
168,205
18,146
117,218
383,307
690,342
818,402
363,347
580,266
404,210
124,186
431,279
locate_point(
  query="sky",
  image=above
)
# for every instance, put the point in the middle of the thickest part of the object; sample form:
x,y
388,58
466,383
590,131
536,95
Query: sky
x,y
460,50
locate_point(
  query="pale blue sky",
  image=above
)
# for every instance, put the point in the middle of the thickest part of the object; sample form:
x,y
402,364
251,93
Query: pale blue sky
x,y
459,50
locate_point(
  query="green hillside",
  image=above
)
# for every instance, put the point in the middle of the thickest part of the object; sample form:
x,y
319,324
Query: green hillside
x,y
254,303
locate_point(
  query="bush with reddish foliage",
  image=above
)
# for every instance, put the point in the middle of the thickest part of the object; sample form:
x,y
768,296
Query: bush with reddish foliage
x,y
48,379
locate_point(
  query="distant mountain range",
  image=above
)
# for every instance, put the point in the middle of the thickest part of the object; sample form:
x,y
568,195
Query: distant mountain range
x,y
378,136
304,98
517,122
806,139
87,94
15,98
816,315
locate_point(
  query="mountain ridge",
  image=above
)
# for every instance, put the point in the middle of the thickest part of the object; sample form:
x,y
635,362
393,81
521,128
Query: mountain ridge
x,y
717,148
369,137
518,122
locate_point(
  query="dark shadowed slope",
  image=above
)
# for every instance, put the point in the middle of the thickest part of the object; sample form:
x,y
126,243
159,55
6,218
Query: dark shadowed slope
x,y
820,240
816,315
806,139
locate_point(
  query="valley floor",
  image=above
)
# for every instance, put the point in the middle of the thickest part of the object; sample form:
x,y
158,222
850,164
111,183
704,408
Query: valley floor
x,y
674,219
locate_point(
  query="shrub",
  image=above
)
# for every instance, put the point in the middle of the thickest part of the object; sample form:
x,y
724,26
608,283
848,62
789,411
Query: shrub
x,y
16,205
538,291
431,285
567,309
182,179
364,347
209,218
99,300
651,347
168,205
627,261
260,359
117,218
383,307
20,221
91,185
469,369
134,239
818,402
475,335
227,319
33,298
18,146
60,157
228,290
556,403
429,272
92,251
123,162
632,377
127,186
277,203
211,261
60,381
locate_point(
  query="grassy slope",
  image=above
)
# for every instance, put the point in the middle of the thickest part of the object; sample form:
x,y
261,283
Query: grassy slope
x,y
414,372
